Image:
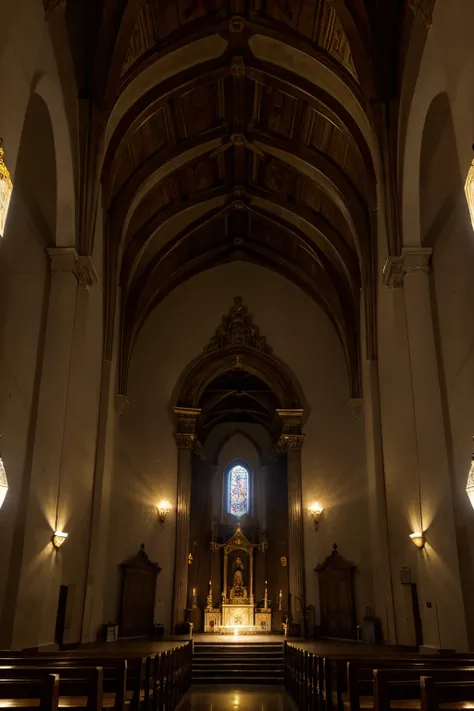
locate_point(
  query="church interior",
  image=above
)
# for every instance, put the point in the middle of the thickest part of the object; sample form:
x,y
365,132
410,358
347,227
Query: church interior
x,y
236,380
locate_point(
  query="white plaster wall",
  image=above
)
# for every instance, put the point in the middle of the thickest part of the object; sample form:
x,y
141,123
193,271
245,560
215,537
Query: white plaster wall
x,y
334,452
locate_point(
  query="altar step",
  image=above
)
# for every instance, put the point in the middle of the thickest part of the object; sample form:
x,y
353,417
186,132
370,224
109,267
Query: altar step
x,y
237,663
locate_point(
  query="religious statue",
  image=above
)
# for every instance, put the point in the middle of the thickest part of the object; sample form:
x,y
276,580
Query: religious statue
x,y
280,600
238,589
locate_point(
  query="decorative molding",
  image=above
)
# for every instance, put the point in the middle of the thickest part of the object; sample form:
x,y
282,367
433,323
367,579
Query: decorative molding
x,y
66,259
238,329
237,67
51,6
85,272
288,442
412,259
185,440
423,11
236,23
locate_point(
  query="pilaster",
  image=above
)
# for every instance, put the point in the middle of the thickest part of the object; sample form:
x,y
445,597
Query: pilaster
x,y
186,441
435,516
45,511
291,442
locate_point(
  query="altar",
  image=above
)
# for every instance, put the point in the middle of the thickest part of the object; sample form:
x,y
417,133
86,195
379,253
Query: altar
x,y
236,613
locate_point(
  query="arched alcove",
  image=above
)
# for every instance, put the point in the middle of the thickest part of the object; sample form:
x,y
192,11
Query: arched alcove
x,y
441,186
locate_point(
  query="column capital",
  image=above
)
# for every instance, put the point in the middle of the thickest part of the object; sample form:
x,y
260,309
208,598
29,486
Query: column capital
x,y
291,419
52,5
185,440
66,259
412,259
289,442
186,418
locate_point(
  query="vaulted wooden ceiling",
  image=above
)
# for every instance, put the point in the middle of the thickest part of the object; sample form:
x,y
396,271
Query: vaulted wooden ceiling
x,y
239,130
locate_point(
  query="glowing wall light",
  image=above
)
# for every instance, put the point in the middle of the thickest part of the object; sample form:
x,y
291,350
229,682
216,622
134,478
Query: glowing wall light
x,y
470,482
316,510
418,539
164,507
59,538
3,482
6,189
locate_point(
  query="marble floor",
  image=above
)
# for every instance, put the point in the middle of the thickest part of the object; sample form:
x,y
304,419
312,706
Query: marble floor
x,y
236,698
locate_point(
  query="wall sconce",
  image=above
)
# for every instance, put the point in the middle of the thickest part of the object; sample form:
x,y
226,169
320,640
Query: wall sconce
x,y
3,482
316,510
59,538
164,507
6,189
470,482
418,539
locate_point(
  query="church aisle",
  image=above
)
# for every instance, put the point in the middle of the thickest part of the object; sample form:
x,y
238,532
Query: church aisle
x,y
236,698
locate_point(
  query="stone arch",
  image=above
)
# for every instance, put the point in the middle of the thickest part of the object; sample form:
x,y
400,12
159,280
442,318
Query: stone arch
x,y
267,367
50,93
441,185
430,83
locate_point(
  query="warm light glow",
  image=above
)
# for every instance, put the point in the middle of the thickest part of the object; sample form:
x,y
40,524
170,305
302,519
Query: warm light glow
x,y
236,631
470,483
316,510
6,189
164,507
418,539
469,190
3,483
59,538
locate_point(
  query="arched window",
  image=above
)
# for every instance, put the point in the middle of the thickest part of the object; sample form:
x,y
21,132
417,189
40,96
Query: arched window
x,y
469,190
238,490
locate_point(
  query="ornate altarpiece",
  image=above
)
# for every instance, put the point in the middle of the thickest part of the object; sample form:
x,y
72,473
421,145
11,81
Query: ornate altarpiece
x,y
237,608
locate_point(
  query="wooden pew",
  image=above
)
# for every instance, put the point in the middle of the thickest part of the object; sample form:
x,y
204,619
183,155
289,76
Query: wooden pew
x,y
79,682
445,695
345,681
75,691
139,681
401,688
30,694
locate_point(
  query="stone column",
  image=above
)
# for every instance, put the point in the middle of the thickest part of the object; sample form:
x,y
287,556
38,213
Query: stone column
x,y
185,437
291,442
438,565
38,579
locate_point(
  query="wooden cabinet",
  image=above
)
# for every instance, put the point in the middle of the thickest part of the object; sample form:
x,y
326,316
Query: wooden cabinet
x,y
138,595
336,597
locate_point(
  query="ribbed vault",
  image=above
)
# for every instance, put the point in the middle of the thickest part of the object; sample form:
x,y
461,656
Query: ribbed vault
x,y
236,130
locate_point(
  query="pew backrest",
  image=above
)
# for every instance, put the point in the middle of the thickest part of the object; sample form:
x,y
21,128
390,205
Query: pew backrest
x,y
396,684
44,689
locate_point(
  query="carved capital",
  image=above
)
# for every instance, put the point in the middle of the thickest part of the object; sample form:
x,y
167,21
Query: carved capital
x,y
53,5
423,11
288,442
85,272
185,440
66,259
412,259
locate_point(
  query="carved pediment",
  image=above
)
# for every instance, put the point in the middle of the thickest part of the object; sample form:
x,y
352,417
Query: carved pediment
x,y
238,329
141,560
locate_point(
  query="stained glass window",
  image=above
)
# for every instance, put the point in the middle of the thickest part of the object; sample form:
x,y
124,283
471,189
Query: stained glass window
x,y
238,491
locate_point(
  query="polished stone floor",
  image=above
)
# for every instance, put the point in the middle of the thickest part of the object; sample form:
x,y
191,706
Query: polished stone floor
x,y
236,698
